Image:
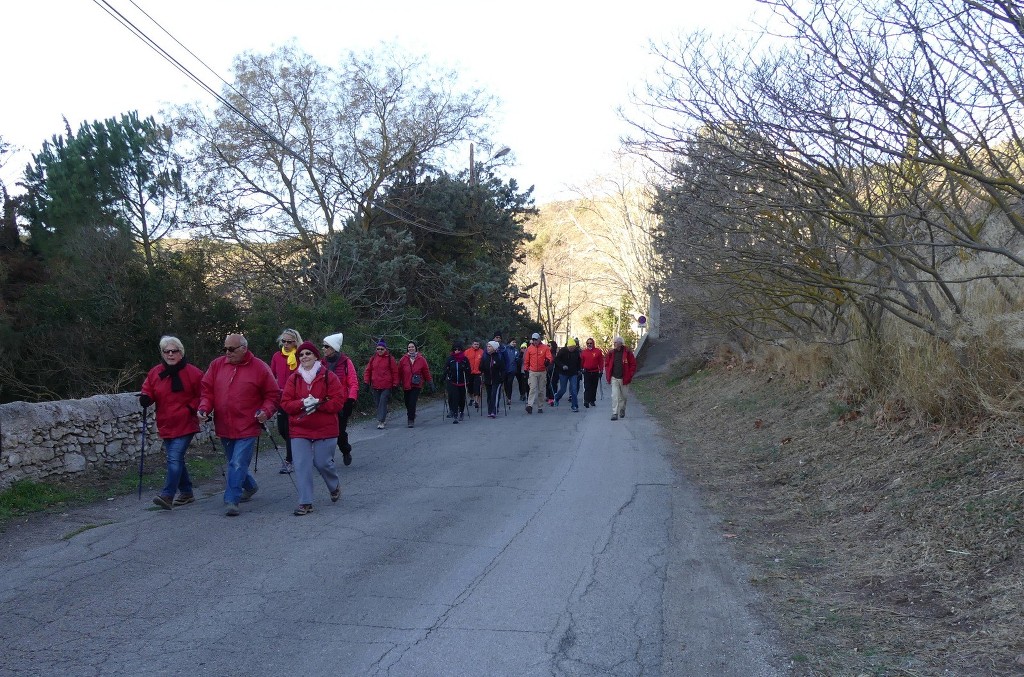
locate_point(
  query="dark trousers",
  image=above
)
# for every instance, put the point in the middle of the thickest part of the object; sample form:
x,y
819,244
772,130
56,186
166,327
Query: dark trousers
x,y
524,384
282,427
590,379
456,398
493,392
508,385
411,395
343,416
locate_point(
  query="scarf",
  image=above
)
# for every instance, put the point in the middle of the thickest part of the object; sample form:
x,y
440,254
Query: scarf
x,y
309,374
174,371
293,360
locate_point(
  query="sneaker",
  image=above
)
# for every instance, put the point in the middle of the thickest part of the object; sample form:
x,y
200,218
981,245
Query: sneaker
x,y
555,403
336,494
586,405
380,426
184,499
346,457
409,424
303,509
247,494
232,510
622,413
615,417
575,409
456,422
529,409
491,415
164,502
551,403
286,468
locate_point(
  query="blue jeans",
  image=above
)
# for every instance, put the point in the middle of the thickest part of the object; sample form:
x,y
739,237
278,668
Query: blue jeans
x,y
573,381
239,455
178,479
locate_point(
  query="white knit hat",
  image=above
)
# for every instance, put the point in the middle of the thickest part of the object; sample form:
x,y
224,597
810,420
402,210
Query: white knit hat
x,y
335,340
494,344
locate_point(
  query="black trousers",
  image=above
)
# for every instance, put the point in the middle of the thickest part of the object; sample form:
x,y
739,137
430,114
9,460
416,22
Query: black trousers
x,y
590,379
343,416
456,398
411,395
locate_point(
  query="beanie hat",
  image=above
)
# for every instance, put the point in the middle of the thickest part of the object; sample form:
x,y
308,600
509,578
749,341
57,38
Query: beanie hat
x,y
524,345
335,341
494,344
457,345
381,344
497,335
308,345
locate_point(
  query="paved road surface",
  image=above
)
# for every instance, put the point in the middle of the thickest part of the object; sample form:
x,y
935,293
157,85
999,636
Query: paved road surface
x,y
554,544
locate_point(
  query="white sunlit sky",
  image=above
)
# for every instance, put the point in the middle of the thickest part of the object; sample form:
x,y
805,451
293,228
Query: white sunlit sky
x,y
560,68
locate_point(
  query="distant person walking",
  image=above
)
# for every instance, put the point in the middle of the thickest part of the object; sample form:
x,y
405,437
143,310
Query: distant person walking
x,y
536,360
456,378
592,359
345,370
381,375
568,366
312,397
474,354
174,386
283,363
241,393
414,374
552,379
619,367
492,367
521,378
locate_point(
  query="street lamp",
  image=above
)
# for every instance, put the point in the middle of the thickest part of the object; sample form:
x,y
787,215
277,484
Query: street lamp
x,y
504,150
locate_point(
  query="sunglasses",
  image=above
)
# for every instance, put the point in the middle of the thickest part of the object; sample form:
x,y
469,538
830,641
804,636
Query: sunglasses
x,y
287,340
171,351
381,350
305,352
326,346
231,349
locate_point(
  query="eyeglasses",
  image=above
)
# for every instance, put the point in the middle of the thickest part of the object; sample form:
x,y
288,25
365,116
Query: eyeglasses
x,y
325,347
231,349
287,340
171,351
305,352
381,350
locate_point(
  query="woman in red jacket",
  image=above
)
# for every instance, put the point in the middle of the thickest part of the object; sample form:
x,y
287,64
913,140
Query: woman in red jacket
x,y
283,363
381,374
415,375
312,399
174,386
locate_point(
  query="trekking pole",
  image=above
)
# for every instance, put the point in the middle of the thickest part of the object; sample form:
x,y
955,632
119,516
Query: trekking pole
x,y
256,464
278,450
213,448
142,451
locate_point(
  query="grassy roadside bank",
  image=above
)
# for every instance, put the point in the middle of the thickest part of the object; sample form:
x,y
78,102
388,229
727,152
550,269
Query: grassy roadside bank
x,y
880,548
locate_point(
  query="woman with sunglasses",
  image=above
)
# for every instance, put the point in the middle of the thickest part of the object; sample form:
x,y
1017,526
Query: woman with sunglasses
x,y
593,364
174,387
312,399
381,375
283,363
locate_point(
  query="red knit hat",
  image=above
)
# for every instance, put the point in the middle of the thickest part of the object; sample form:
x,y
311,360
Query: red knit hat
x,y
308,345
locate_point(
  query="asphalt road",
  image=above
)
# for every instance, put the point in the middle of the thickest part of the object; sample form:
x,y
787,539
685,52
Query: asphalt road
x,y
554,544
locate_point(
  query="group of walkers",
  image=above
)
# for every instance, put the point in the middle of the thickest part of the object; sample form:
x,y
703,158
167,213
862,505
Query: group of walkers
x,y
313,391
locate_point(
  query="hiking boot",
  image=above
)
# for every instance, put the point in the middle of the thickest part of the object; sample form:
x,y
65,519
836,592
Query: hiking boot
x,y
380,426
286,468
247,494
303,510
622,413
184,499
164,502
586,405
232,510
615,417
529,409
336,494
346,457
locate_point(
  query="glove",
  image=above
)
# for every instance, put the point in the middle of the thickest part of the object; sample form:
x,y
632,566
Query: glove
x,y
145,400
347,408
310,403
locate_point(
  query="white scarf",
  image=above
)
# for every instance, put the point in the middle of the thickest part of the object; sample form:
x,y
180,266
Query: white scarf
x,y
309,374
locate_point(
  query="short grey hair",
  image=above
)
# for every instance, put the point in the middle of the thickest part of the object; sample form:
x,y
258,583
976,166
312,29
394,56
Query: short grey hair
x,y
289,333
171,342
618,339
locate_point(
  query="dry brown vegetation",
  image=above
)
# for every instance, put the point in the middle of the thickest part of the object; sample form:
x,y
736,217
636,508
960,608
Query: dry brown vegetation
x,y
882,546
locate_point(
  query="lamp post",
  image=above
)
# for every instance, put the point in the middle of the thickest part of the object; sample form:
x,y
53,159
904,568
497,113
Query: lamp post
x,y
504,150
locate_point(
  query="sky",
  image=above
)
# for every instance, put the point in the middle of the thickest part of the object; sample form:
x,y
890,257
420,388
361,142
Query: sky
x,y
559,68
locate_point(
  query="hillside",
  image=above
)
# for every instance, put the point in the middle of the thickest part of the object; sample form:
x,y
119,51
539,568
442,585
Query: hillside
x,y
879,547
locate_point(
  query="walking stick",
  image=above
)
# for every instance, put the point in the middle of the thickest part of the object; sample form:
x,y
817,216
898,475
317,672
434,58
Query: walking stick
x,y
213,448
278,450
142,451
256,465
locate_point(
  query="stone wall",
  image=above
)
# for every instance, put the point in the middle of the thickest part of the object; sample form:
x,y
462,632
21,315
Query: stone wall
x,y
55,440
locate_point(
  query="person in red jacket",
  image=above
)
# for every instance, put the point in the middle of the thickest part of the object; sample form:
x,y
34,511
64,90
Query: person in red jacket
x,y
474,353
312,398
381,375
593,365
414,374
241,393
174,387
536,360
283,363
619,367
342,366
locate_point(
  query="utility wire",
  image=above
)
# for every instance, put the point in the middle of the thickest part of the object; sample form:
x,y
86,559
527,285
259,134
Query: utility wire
x,y
152,44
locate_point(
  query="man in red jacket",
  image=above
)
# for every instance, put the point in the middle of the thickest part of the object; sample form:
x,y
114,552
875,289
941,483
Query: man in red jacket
x,y
619,367
241,393
593,365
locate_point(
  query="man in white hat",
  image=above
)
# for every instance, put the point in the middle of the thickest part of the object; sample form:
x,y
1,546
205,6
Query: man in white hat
x,y
342,366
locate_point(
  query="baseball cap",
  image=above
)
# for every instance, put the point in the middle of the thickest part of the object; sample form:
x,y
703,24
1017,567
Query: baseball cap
x,y
535,336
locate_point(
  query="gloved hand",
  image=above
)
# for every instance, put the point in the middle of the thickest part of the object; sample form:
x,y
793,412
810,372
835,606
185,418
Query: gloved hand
x,y
347,408
145,400
310,403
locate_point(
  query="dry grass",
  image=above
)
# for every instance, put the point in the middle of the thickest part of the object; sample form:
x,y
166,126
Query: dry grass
x,y
882,546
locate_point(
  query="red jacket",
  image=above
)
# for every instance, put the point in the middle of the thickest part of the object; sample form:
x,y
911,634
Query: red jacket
x,y
381,372
233,393
279,366
407,368
346,373
628,365
593,359
175,412
322,424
